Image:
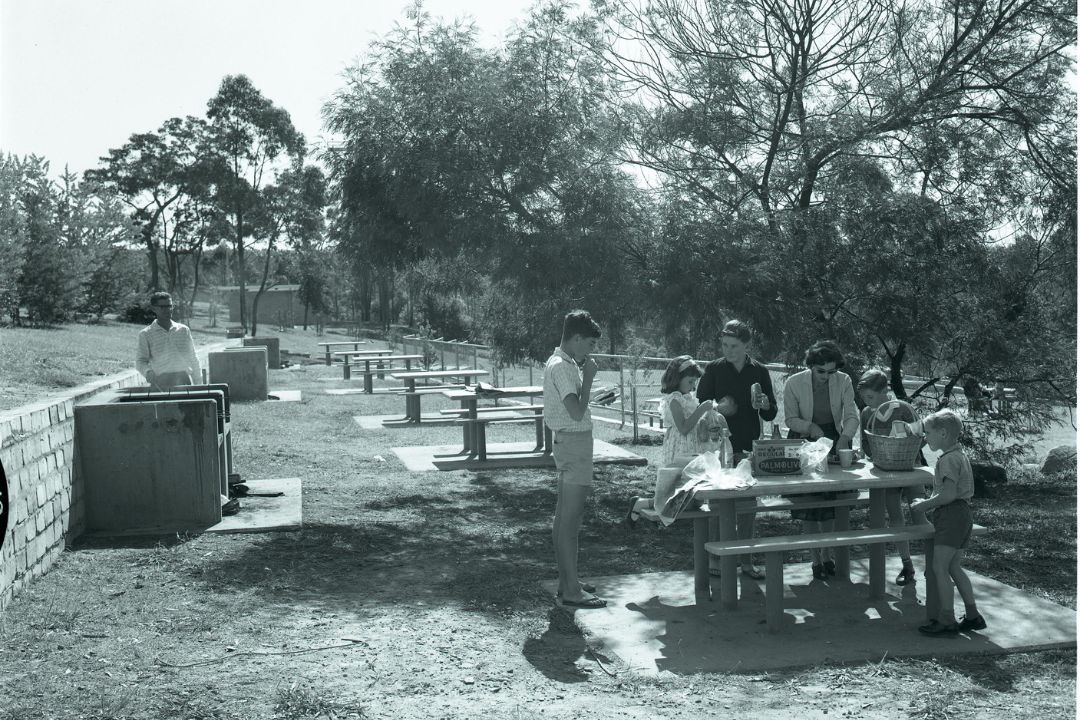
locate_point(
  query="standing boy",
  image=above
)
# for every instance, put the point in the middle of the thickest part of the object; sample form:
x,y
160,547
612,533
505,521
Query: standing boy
x,y
166,353
729,381
568,377
949,510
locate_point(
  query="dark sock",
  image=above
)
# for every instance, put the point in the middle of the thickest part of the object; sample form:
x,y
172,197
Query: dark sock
x,y
971,611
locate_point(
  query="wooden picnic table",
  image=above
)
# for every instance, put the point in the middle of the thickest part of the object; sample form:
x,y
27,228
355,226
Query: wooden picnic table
x,y
473,436
412,395
346,371
327,345
862,476
383,362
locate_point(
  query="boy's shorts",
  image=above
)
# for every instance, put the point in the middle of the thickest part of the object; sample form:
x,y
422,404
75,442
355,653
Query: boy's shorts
x,y
573,453
952,524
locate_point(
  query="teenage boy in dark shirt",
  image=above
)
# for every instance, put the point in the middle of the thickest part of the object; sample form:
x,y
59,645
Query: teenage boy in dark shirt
x,y
728,381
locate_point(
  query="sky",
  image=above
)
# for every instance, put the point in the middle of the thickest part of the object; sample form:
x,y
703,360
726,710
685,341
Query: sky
x,y
78,77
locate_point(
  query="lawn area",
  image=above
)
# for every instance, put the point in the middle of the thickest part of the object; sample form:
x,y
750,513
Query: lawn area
x,y
416,595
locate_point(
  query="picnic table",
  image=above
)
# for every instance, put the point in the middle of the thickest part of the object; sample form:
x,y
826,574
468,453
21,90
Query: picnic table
x,y
412,395
473,427
327,345
368,356
862,476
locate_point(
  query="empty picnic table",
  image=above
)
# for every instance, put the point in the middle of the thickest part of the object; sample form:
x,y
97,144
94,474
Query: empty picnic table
x,y
327,345
346,371
473,428
412,395
383,362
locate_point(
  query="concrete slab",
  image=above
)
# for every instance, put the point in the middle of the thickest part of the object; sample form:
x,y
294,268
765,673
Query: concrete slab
x,y
652,627
284,395
423,458
263,514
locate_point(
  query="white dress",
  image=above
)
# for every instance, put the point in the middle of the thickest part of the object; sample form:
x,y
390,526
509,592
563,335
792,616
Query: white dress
x,y
675,443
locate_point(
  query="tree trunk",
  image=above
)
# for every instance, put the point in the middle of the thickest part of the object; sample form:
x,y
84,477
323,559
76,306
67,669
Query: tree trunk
x,y
896,371
262,288
240,270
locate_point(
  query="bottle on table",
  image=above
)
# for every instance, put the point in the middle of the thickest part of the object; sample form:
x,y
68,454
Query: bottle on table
x,y
727,453
776,431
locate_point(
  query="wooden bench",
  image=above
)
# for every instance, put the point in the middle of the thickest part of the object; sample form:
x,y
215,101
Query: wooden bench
x,y
774,548
383,361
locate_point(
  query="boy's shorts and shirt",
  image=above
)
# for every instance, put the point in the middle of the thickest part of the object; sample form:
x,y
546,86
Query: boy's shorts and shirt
x,y
572,439
952,522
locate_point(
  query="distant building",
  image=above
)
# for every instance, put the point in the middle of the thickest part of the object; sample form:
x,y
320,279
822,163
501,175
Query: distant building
x,y
280,302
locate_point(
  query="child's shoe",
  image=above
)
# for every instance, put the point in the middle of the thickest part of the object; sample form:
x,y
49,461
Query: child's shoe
x,y
819,571
975,623
940,629
907,575
830,567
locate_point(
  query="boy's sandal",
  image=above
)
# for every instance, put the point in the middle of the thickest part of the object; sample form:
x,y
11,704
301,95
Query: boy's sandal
x,y
939,629
906,576
830,567
589,603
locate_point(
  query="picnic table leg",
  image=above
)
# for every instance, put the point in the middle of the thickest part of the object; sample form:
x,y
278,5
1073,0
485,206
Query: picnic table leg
x,y
408,364
539,430
328,360
933,603
877,551
468,429
843,553
729,580
346,370
379,366
548,441
481,441
702,592
368,386
774,591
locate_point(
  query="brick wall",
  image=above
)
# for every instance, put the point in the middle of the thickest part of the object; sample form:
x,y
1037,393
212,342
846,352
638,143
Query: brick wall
x,y
44,491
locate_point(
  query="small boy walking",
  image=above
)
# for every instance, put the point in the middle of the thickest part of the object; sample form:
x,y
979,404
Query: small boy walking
x,y
949,509
568,377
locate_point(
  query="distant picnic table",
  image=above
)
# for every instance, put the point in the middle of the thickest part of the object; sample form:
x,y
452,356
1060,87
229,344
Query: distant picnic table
x,y
474,419
413,395
328,345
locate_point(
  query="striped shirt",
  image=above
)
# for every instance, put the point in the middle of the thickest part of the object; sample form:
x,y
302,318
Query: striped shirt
x,y
562,377
165,351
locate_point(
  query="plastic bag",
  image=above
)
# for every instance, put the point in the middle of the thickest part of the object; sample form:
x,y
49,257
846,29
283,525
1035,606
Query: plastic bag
x,y
707,469
814,456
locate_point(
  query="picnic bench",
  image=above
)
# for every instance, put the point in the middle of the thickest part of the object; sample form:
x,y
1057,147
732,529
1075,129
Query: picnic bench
x,y
651,410
328,345
474,420
775,547
381,358
413,394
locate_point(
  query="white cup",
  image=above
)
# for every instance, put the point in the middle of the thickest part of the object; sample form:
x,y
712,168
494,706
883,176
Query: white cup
x,y
846,456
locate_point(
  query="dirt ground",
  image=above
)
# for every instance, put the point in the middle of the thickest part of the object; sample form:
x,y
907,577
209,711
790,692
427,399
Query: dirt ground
x,y
416,595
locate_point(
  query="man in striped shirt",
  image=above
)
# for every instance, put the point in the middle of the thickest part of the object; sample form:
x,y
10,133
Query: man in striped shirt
x,y
166,353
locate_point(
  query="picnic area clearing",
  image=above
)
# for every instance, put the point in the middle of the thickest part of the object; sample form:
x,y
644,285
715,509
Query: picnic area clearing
x,y
420,595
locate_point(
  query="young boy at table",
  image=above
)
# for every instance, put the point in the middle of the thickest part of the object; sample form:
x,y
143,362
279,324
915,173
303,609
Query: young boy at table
x,y
568,377
950,511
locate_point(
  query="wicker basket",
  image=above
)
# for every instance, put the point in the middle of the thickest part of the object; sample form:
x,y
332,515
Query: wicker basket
x,y
893,453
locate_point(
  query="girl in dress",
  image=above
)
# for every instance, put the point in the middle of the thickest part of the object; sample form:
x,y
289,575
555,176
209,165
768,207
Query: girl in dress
x,y
682,414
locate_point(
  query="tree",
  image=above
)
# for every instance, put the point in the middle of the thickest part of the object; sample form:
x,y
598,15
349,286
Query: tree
x,y
248,133
293,210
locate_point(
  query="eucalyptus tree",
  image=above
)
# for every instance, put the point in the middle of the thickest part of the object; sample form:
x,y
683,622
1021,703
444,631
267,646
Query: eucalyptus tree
x,y
248,138
292,210
156,174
